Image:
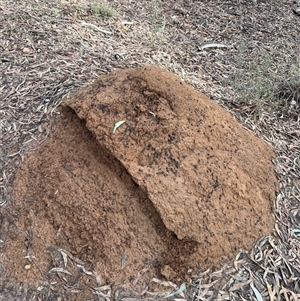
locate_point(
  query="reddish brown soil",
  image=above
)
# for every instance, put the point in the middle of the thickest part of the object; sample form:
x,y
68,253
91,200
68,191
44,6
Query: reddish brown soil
x,y
179,185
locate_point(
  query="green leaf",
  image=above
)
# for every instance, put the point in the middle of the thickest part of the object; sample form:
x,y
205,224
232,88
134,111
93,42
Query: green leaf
x,y
118,124
256,292
180,290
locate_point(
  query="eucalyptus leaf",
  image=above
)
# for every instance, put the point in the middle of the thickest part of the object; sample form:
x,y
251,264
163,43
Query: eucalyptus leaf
x,y
256,292
180,290
117,125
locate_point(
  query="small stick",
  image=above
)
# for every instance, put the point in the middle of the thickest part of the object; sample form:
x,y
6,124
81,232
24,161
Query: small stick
x,y
95,27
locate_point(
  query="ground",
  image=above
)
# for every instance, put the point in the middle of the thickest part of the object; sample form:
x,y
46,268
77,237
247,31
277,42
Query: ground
x,y
50,51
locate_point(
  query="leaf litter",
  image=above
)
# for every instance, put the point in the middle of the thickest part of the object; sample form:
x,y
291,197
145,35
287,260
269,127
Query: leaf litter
x,y
51,51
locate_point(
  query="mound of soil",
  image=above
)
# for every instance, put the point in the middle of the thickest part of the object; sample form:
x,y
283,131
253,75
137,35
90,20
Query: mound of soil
x,y
179,185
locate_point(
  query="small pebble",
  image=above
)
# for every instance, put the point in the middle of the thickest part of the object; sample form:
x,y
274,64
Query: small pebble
x,y
26,50
27,266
